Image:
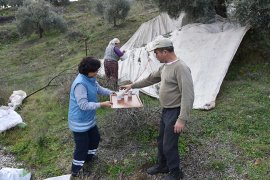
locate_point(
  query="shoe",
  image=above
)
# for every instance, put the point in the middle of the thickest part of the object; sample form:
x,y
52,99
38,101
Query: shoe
x,y
88,165
94,158
157,169
79,176
74,177
175,174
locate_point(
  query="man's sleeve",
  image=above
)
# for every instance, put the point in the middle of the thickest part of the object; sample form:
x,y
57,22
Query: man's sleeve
x,y
153,78
185,82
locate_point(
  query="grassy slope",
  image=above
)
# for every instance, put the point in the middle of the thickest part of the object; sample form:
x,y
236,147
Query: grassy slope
x,y
229,138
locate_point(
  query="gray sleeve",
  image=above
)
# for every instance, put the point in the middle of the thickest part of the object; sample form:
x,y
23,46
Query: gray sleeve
x,y
185,82
103,91
153,78
81,97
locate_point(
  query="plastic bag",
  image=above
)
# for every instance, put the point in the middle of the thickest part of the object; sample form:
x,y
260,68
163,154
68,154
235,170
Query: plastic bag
x,y
14,174
16,99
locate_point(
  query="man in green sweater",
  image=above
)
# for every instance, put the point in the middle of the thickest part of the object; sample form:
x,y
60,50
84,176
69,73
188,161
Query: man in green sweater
x,y
176,97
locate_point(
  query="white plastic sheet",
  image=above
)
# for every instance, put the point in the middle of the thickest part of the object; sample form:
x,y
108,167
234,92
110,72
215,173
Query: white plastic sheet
x,y
149,30
14,174
64,177
207,49
8,116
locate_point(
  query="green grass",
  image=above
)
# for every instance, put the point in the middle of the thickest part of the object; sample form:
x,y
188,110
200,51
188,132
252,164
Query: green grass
x,y
231,136
240,120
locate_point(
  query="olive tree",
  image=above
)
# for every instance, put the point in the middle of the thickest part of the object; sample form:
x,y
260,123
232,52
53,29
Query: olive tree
x,y
196,10
253,12
38,17
116,10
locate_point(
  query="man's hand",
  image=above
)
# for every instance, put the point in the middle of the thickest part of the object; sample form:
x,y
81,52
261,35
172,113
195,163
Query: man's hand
x,y
179,126
106,104
126,87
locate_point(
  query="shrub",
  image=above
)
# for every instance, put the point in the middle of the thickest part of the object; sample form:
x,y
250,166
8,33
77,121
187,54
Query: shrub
x,y
38,17
8,35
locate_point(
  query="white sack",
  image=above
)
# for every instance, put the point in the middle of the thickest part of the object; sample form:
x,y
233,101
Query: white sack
x,y
14,174
16,99
8,118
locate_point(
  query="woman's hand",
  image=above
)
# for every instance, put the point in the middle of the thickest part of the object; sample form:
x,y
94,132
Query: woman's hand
x,y
106,104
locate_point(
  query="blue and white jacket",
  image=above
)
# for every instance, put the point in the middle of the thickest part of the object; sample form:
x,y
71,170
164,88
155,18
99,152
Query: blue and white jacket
x,y
82,111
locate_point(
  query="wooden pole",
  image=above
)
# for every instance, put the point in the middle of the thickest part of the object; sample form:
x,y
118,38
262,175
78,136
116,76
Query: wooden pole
x,y
85,41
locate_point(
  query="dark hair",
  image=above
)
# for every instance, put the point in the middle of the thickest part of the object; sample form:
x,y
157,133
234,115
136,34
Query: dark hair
x,y
170,49
88,64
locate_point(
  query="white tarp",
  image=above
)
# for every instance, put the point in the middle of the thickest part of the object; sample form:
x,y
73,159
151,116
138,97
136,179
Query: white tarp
x,y
8,116
63,177
207,49
146,33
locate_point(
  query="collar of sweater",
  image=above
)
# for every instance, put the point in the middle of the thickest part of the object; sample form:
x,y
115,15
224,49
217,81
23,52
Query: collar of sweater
x,y
172,62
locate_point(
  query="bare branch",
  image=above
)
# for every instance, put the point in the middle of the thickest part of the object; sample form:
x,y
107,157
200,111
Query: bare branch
x,y
47,85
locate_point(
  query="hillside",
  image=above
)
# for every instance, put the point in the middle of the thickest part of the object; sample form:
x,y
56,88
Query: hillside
x,y
229,142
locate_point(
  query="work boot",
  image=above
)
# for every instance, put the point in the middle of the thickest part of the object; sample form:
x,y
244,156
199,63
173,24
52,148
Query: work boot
x,y
158,168
175,174
88,165
74,177
78,176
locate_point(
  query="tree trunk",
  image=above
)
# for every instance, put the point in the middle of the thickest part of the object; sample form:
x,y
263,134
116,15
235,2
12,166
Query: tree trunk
x,y
114,21
40,32
220,8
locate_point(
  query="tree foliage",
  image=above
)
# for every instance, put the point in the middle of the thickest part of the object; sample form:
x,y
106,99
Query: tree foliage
x,y
15,3
59,2
38,17
197,10
253,12
116,10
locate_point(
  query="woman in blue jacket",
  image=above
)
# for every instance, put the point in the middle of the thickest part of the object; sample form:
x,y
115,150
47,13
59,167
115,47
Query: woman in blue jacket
x,y
82,112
